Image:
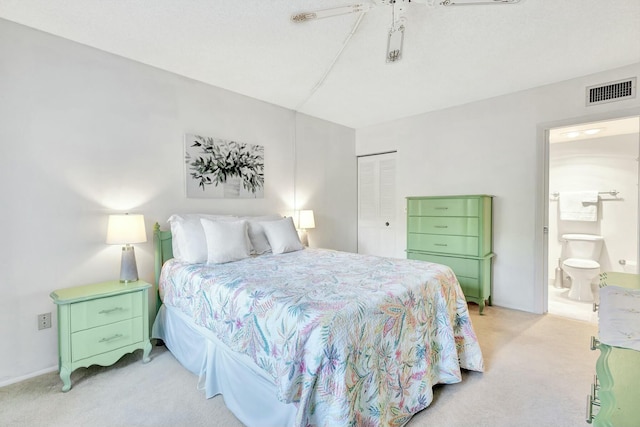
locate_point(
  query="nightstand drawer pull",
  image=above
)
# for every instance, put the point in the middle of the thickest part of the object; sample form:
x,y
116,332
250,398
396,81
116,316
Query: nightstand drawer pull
x,y
111,310
441,226
595,344
595,307
440,244
590,403
111,338
441,208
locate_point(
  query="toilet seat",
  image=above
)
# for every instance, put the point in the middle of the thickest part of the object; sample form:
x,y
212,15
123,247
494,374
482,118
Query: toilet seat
x,y
581,263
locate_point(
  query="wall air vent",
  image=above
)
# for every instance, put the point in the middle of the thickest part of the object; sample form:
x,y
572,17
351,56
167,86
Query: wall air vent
x,y
614,91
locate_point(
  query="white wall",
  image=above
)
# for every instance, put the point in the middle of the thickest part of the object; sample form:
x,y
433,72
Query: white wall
x,y
326,181
84,134
495,147
599,164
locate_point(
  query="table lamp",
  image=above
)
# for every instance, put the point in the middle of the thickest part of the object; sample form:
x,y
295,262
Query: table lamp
x,y
125,229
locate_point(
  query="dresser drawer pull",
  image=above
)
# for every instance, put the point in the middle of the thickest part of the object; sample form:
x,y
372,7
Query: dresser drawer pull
x,y
589,416
441,226
594,343
111,338
441,208
111,310
440,244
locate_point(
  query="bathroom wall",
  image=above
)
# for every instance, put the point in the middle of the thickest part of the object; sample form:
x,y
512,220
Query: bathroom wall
x,y
600,164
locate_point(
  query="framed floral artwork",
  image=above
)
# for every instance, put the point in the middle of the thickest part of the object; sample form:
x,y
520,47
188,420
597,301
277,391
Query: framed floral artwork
x,y
221,168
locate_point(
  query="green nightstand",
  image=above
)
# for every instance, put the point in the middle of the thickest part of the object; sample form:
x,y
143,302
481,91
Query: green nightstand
x,y
615,388
100,323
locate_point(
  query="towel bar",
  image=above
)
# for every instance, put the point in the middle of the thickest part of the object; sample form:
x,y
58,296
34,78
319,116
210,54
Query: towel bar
x,y
556,194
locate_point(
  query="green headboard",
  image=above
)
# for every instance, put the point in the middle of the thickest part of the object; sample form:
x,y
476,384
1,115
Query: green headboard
x,y
163,250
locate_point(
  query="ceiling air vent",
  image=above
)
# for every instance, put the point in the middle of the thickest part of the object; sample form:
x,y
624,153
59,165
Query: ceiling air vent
x,y
609,92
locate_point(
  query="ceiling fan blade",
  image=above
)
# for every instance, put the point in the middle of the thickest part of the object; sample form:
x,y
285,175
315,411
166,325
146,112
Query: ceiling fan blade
x,y
470,2
328,13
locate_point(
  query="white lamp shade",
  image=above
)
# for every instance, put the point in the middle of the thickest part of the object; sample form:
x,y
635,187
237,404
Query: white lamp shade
x,y
124,229
306,220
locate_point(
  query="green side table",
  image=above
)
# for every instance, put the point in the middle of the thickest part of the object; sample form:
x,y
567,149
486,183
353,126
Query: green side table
x,y
100,323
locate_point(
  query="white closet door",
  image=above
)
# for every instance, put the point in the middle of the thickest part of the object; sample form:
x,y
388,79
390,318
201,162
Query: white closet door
x,y
376,204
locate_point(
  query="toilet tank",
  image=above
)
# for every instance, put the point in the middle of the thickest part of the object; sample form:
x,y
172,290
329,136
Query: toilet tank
x,y
583,246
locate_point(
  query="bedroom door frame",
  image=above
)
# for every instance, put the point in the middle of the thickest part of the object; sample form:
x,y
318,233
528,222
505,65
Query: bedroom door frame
x,y
378,232
541,261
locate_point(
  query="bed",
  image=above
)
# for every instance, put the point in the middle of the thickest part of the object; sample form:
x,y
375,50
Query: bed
x,y
315,337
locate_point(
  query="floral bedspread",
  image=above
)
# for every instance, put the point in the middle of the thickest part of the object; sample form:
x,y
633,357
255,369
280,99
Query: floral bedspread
x,y
352,340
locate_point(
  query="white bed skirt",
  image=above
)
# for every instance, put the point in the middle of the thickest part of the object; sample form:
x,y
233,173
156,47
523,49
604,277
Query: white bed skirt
x,y
246,390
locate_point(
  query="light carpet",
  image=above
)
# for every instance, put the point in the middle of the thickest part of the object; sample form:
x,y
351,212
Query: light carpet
x,y
538,371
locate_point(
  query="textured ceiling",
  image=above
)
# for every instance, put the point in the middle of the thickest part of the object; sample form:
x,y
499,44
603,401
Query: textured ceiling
x,y
452,55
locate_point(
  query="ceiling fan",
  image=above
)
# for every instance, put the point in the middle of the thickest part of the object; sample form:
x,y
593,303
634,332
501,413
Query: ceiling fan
x,y
395,39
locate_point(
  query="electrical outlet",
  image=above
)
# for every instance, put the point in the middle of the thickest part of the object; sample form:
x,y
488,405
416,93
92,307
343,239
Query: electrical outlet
x,y
44,320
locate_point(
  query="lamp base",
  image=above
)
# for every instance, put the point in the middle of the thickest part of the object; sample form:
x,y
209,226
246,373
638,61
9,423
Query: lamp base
x,y
128,266
304,237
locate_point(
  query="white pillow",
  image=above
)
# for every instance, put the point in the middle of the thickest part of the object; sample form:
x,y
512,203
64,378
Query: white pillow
x,y
282,235
259,242
226,240
187,236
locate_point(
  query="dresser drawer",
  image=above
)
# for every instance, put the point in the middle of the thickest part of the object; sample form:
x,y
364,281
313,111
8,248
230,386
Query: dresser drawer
x,y
99,340
102,311
466,270
443,207
460,226
459,245
470,287
461,266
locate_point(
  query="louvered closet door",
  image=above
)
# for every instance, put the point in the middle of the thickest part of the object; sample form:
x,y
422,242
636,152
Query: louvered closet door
x,y
376,204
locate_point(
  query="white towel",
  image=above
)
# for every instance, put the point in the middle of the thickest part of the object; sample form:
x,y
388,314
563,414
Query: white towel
x,y
579,206
619,315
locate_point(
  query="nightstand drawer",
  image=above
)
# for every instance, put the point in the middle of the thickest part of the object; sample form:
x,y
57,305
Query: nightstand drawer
x,y
460,245
443,207
99,340
459,226
102,311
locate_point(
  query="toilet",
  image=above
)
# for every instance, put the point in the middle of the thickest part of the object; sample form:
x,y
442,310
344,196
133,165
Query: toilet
x,y
582,252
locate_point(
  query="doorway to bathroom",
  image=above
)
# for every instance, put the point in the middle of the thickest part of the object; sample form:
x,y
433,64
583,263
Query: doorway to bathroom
x,y
593,179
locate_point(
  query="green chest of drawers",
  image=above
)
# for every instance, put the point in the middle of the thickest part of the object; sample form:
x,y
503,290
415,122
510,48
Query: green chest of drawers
x,y
455,231
99,323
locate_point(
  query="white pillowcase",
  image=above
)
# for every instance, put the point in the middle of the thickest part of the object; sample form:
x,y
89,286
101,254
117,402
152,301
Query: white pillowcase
x,y
282,235
227,241
259,243
188,240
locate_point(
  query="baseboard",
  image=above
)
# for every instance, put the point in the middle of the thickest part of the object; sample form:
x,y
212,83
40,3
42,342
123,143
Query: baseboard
x,y
26,377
